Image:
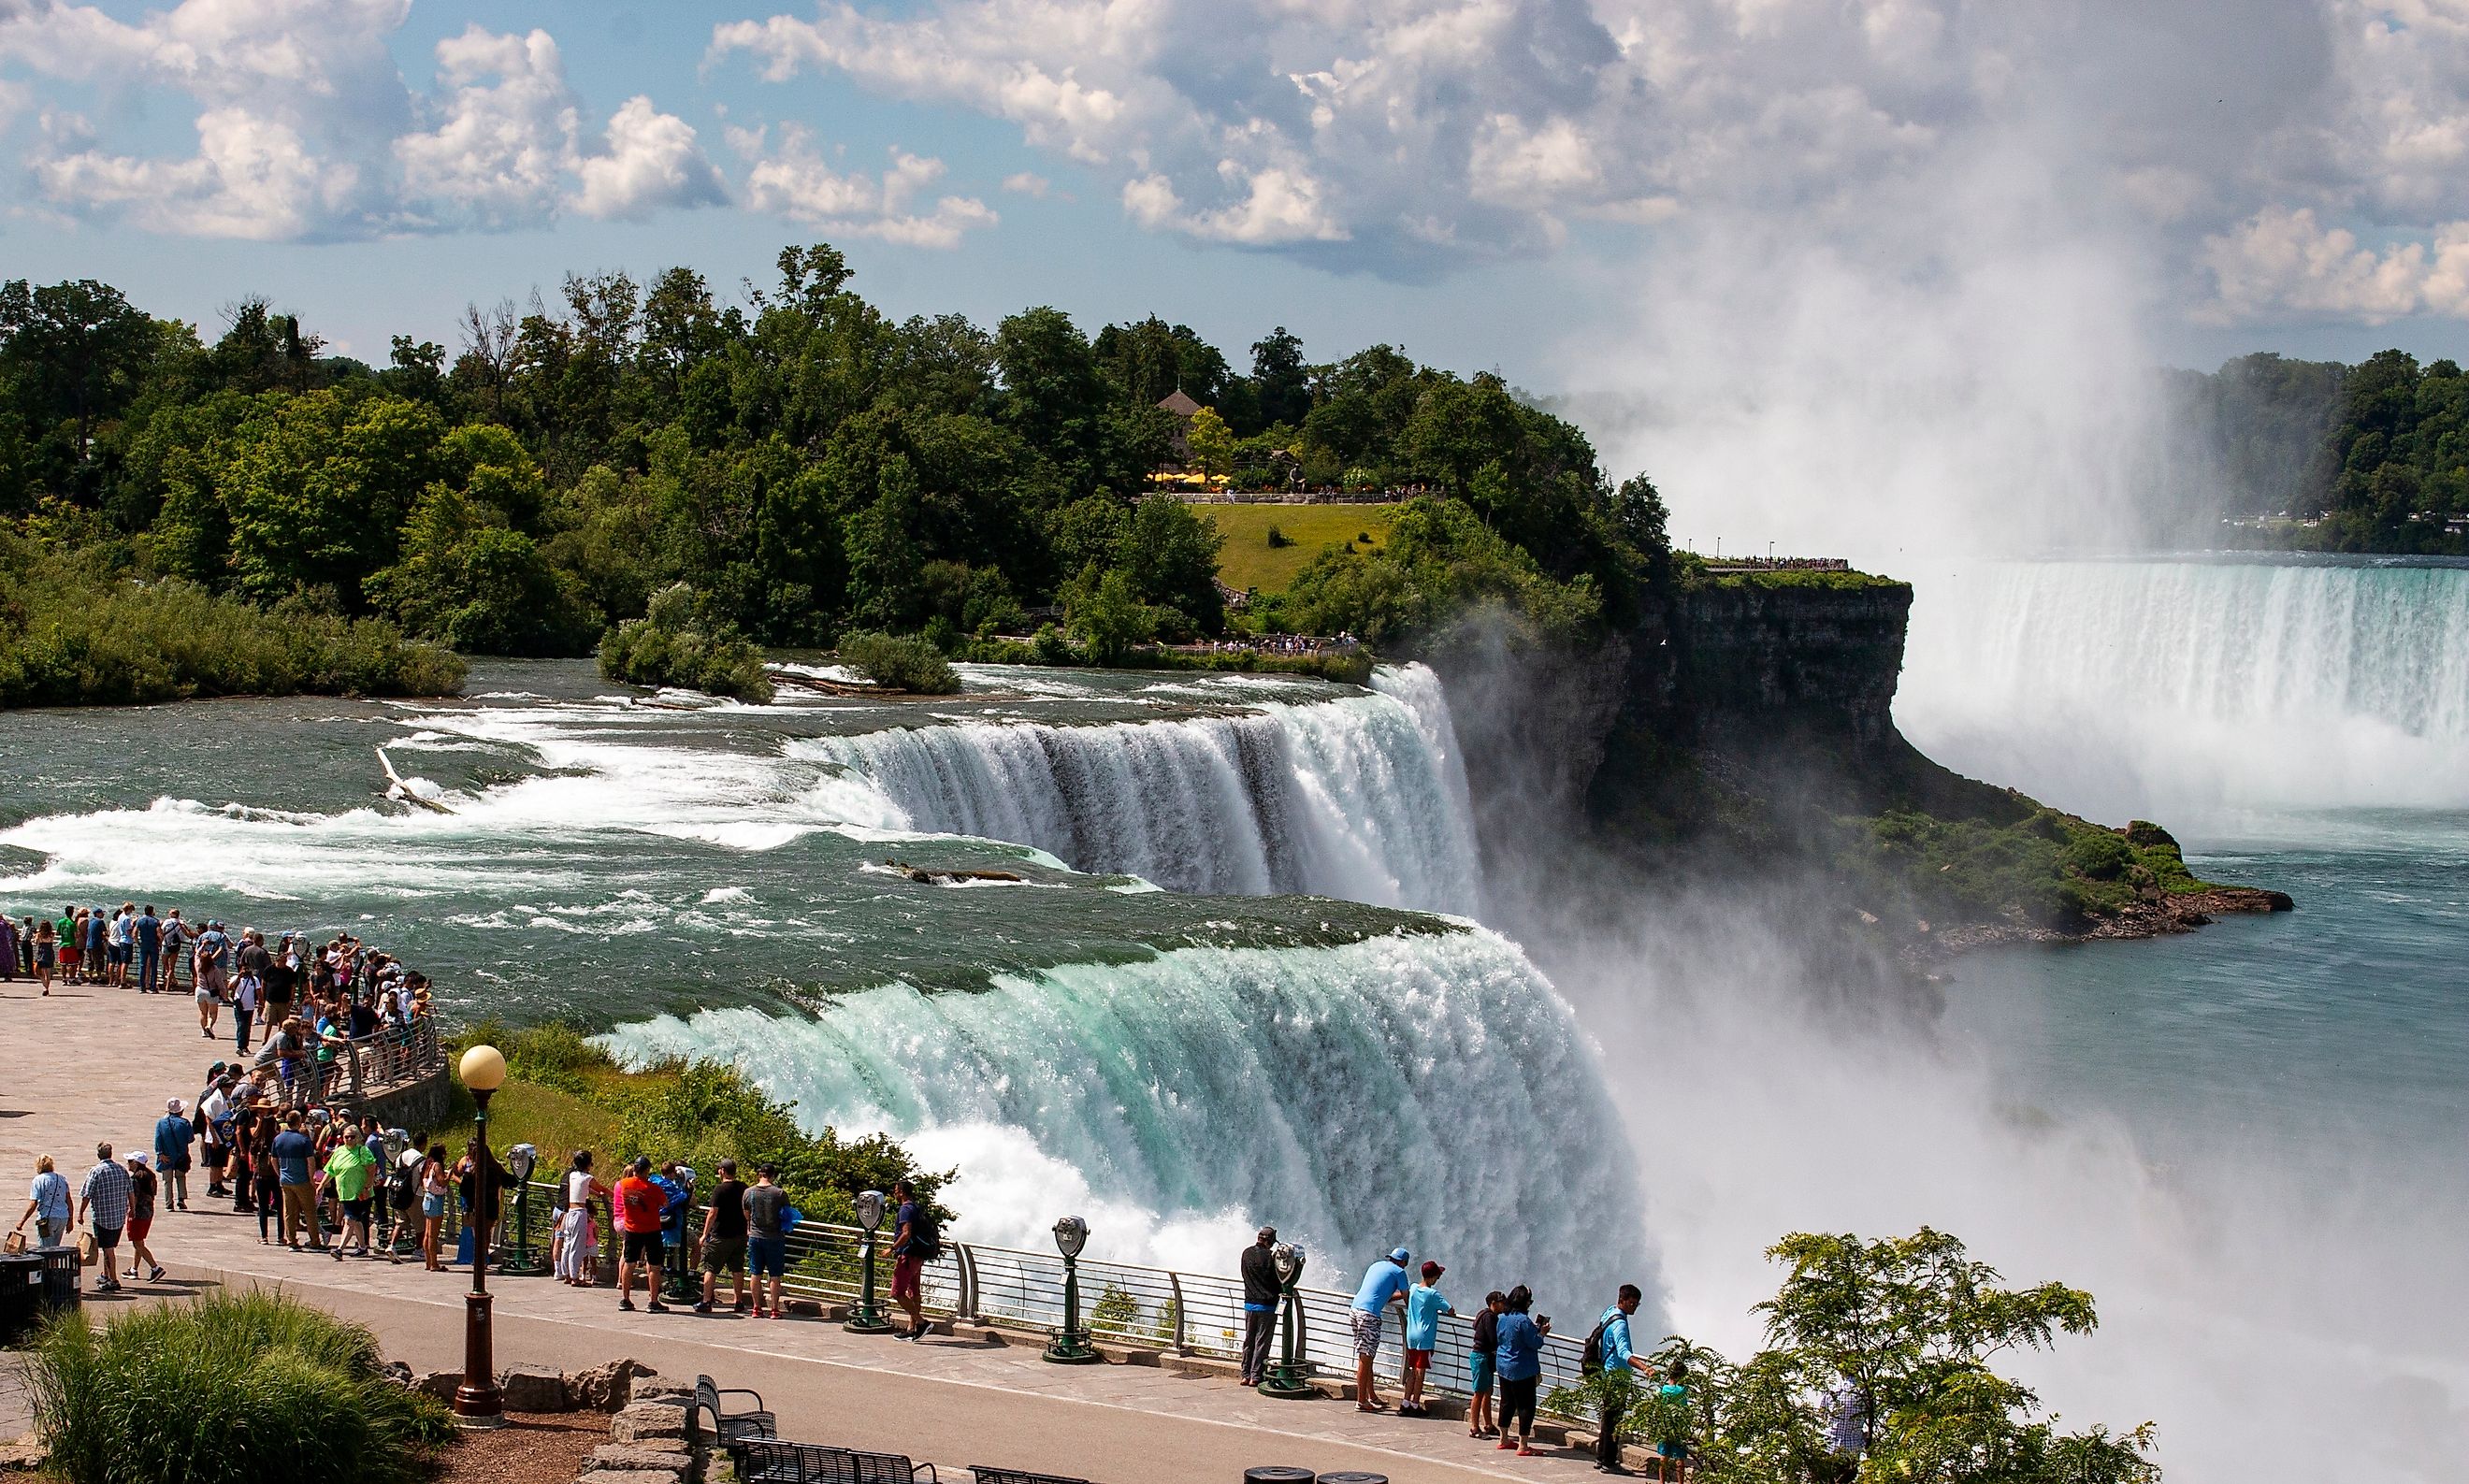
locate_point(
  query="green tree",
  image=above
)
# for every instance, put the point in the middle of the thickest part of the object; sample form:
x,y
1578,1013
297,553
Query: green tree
x,y
1211,441
1105,614
1169,556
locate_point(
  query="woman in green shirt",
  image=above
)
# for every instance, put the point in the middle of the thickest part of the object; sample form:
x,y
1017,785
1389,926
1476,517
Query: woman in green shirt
x,y
350,1172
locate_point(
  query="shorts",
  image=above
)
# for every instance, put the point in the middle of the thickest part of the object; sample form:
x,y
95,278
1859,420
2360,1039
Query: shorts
x,y
767,1255
1480,1369
107,1237
69,956
357,1210
906,1271
139,1226
643,1247
45,955
724,1254
214,1157
119,953
1418,1359
432,1205
1367,1333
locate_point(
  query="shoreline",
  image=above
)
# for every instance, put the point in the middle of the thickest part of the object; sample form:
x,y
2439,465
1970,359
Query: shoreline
x,y
2166,917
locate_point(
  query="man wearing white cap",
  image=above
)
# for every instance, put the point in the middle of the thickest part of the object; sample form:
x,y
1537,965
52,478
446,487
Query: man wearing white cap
x,y
174,1134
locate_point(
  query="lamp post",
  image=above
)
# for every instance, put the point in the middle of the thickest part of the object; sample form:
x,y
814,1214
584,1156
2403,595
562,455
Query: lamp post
x,y
1287,1378
1071,1345
477,1403
520,1161
868,1319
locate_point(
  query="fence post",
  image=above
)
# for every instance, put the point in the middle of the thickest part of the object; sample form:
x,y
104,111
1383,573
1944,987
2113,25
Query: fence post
x,y
968,1305
1182,1315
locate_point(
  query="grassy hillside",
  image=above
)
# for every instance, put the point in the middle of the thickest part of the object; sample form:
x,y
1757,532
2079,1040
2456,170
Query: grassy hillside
x,y
1248,560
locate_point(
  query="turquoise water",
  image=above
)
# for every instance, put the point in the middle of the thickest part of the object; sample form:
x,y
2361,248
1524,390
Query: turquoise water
x,y
2345,1022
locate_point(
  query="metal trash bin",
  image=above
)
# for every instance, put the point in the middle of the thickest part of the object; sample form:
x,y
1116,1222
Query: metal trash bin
x,y
1271,1474
21,1295
60,1279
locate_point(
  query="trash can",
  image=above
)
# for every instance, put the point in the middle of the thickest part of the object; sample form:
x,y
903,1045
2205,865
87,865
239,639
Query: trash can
x,y
1270,1473
60,1279
21,1293
1350,1477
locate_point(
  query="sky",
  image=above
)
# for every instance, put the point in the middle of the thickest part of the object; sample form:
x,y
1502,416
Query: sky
x,y
1740,239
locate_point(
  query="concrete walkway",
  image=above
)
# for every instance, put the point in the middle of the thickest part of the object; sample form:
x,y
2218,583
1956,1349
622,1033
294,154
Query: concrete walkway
x,y
94,1064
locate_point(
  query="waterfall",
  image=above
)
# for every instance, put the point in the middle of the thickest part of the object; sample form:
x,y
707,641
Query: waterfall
x,y
1425,1088
1361,797
2119,687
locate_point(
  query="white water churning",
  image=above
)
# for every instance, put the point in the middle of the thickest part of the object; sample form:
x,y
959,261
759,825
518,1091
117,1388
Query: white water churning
x,y
1361,797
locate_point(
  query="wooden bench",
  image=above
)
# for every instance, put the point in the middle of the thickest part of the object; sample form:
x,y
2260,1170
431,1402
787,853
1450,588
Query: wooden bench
x,y
728,1427
772,1461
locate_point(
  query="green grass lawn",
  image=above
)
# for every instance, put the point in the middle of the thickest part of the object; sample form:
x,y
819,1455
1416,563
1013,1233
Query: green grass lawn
x,y
1248,560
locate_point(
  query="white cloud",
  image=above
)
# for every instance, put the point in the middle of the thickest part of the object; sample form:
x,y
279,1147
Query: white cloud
x,y
650,163
306,130
795,181
2281,261
1027,183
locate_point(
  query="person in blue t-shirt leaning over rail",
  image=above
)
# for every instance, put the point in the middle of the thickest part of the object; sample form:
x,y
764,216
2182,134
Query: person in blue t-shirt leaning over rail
x,y
1384,1283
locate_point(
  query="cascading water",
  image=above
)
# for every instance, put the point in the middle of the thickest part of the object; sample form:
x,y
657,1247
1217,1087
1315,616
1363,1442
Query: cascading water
x,y
1424,1088
1361,797
2123,687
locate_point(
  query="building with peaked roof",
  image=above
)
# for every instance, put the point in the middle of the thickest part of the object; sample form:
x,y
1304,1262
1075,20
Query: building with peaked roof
x,y
1181,404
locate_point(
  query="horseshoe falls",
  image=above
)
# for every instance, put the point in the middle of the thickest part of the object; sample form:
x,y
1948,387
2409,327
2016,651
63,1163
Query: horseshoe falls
x,y
2198,689
1361,797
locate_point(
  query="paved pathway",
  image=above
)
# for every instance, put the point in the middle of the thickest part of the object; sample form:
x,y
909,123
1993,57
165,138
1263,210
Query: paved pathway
x,y
97,1063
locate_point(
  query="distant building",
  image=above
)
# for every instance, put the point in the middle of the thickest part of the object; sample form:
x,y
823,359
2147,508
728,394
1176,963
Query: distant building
x,y
1184,409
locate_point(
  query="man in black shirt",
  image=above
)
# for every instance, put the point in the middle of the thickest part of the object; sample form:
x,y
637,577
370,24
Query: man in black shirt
x,y
724,1237
1261,1293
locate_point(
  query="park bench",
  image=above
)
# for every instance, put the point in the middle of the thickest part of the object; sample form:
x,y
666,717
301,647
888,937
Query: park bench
x,y
730,1427
772,1461
987,1474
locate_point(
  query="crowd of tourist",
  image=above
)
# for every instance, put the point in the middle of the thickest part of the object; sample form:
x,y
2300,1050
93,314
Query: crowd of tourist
x,y
1504,1359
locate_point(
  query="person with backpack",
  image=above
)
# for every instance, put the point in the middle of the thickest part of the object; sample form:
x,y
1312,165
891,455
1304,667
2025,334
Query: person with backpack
x,y
1608,1349
914,1242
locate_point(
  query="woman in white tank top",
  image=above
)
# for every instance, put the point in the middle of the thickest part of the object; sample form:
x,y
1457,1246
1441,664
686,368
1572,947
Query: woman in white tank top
x,y
576,1246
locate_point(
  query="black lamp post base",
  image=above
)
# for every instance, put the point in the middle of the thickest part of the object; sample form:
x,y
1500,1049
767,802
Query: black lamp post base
x,y
1071,1349
868,1321
1285,1388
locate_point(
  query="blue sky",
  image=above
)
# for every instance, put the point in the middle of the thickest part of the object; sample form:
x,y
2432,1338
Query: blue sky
x,y
1713,226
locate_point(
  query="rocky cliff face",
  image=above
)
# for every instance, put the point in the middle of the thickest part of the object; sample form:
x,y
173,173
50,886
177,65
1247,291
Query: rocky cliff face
x,y
1736,713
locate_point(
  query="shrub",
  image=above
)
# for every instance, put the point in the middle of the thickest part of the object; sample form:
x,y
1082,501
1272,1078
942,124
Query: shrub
x,y
899,663
1279,539
229,1388
679,644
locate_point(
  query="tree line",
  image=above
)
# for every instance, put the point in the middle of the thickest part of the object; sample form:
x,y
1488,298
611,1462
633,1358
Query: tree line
x,y
807,465
2367,458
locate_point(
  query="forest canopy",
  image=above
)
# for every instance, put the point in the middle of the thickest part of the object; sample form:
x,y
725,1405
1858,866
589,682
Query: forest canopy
x,y
808,466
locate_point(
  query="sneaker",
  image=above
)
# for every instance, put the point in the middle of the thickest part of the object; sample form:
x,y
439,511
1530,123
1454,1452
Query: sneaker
x,y
657,1307
156,1276
627,1304
703,1309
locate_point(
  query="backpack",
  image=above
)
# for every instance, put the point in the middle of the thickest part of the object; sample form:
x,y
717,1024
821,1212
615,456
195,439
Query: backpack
x,y
925,1235
1590,1361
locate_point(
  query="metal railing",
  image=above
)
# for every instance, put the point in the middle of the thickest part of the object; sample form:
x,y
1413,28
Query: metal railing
x,y
1157,1307
393,1057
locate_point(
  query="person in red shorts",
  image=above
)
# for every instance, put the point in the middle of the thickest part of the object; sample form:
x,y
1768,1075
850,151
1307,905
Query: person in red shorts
x,y
913,1243
141,1218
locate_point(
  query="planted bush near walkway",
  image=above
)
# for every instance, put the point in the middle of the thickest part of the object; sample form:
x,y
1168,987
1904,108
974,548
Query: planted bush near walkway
x,y
230,1388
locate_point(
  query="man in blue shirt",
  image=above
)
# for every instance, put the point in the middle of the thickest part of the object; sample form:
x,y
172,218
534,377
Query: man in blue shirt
x,y
149,933
174,1134
1618,1355
1384,1283
292,1151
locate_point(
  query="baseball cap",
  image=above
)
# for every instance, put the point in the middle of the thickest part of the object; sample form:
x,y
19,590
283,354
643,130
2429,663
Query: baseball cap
x,y
1432,1270
1398,1256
